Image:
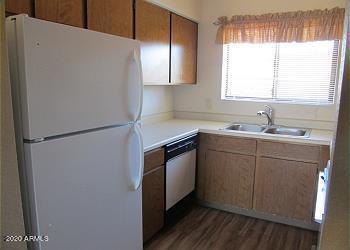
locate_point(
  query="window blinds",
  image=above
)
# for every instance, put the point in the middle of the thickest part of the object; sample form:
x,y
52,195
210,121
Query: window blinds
x,y
285,72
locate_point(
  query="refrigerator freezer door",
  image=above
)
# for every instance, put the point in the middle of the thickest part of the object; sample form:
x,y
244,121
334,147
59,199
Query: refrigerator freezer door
x,y
72,79
82,194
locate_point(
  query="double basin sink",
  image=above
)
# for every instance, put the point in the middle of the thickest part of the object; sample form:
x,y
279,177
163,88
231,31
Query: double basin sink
x,y
272,130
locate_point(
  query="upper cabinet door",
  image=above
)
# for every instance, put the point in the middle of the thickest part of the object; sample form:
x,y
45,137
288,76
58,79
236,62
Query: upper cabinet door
x,y
70,12
183,50
111,16
20,6
152,28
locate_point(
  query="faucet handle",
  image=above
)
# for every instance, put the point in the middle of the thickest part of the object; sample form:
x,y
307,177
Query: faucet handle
x,y
268,109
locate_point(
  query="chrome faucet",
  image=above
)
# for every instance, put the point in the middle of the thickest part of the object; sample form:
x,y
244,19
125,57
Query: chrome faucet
x,y
268,112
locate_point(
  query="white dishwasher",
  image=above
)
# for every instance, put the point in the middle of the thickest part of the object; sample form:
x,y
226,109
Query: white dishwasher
x,y
180,169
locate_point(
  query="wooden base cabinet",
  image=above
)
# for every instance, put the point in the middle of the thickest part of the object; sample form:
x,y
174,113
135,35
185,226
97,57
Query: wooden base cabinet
x,y
153,202
229,178
225,170
286,188
277,179
153,193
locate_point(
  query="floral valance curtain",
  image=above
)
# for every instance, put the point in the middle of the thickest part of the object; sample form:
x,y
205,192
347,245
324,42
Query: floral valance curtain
x,y
299,26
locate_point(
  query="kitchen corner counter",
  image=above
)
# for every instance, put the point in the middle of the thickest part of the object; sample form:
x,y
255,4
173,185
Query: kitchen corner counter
x,y
161,133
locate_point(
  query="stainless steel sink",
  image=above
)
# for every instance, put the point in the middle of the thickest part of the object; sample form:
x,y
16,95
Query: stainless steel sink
x,y
246,127
272,130
287,131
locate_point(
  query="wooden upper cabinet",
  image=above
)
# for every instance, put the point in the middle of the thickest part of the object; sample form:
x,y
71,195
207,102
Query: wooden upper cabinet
x,y
183,50
111,16
152,28
70,12
19,7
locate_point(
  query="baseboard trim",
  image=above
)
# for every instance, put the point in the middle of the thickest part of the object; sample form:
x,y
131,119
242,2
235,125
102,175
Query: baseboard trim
x,y
314,226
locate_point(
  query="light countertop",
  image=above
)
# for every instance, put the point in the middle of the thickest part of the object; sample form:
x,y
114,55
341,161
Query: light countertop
x,y
161,133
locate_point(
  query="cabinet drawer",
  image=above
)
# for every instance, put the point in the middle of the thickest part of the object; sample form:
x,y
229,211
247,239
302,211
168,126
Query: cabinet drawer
x,y
289,151
153,159
231,144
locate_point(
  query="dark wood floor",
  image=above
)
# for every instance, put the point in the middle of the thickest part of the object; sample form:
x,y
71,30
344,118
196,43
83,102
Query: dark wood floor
x,y
204,228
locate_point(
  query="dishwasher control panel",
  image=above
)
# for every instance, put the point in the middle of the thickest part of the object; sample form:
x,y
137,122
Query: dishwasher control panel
x,y
181,146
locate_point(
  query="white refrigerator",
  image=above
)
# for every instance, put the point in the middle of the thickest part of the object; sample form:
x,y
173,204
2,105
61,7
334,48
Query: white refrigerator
x,y
77,98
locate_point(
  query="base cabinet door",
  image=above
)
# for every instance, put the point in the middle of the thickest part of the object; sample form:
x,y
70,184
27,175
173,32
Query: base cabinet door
x,y
285,188
153,202
229,178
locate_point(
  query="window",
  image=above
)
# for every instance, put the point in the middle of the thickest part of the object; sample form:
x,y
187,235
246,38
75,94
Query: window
x,y
282,72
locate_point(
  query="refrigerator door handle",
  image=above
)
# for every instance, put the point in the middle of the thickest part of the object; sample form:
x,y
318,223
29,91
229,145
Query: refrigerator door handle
x,y
137,60
141,154
135,157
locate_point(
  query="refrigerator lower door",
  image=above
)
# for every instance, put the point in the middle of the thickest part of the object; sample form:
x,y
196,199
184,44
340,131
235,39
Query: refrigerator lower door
x,y
82,191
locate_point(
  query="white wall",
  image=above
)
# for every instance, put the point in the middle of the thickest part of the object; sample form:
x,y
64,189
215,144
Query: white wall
x,y
205,96
156,100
